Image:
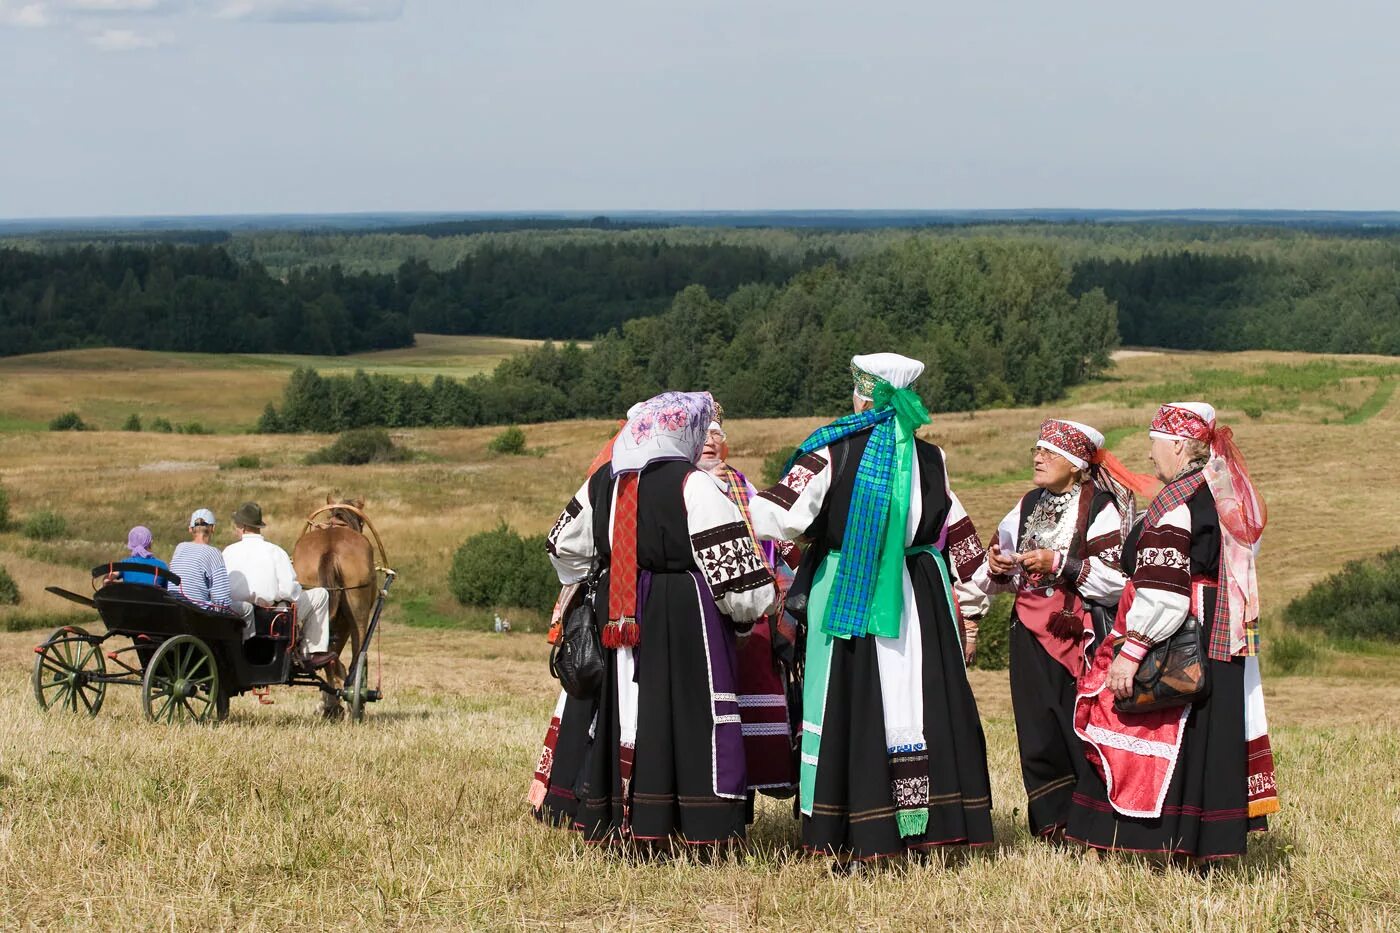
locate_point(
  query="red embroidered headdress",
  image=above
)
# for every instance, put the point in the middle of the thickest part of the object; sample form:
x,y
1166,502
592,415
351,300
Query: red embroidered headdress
x,y
1193,421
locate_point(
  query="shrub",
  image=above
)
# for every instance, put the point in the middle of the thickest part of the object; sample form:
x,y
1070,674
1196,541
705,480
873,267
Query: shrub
x,y
242,462
363,445
1362,600
68,421
162,425
994,636
192,427
45,526
509,441
132,423
774,463
9,590
1254,411
1289,654
500,568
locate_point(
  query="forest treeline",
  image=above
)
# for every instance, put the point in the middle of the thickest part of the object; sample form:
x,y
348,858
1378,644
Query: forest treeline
x,y
200,298
187,298
996,321
1197,301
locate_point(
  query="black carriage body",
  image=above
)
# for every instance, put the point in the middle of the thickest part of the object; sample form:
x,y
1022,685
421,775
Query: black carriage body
x,y
149,615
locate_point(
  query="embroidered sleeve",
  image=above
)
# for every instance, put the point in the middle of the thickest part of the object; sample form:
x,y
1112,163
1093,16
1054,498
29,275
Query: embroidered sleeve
x,y
570,542
1098,576
1162,582
968,559
727,556
1007,531
785,511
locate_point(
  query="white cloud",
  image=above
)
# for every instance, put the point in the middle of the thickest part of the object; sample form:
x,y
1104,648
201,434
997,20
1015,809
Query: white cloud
x,y
124,40
115,6
314,11
33,15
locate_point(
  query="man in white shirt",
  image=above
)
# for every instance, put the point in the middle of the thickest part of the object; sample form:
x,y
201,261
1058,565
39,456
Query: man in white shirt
x,y
260,574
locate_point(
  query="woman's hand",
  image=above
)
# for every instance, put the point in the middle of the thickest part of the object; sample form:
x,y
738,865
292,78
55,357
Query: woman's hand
x,y
1120,676
1040,561
1000,564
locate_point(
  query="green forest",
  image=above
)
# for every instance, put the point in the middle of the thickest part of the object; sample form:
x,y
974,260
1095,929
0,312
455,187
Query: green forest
x,y
996,321
764,317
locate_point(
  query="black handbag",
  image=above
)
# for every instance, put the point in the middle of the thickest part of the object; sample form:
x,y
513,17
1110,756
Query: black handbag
x,y
576,660
1173,673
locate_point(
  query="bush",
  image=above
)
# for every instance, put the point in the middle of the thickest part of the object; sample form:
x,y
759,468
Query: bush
x,y
509,441
68,421
1360,601
45,526
994,635
774,463
162,425
361,446
192,427
500,568
242,462
9,590
1289,654
132,423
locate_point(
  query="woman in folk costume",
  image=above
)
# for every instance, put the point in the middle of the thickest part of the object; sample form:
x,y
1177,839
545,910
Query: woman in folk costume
x,y
666,755
893,757
766,656
1058,551
1191,780
557,770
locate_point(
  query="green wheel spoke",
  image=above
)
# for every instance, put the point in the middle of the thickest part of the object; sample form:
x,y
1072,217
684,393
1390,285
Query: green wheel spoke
x,y
203,662
82,695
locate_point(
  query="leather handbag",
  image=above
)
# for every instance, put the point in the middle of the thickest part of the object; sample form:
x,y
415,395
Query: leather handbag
x,y
1175,672
576,659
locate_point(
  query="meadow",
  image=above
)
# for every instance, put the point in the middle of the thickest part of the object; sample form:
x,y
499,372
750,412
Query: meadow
x,y
416,819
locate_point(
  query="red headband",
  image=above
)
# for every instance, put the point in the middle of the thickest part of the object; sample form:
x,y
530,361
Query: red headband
x,y
1182,422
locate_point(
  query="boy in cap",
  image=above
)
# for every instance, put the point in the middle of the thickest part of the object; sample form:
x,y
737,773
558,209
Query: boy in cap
x,y
200,565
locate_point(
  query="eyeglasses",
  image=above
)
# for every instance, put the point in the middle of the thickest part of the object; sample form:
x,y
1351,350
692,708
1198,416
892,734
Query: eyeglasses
x,y
715,435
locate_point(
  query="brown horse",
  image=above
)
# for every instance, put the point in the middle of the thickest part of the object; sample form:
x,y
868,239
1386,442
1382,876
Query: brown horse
x,y
334,553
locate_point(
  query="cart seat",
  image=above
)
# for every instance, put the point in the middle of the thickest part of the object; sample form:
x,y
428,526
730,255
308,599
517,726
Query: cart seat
x,y
273,630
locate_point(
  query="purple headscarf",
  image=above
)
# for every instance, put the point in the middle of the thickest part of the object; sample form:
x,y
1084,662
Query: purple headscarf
x,y
138,541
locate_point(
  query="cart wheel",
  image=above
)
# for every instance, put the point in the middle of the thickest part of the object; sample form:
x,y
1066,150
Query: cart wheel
x,y
182,683
359,687
64,672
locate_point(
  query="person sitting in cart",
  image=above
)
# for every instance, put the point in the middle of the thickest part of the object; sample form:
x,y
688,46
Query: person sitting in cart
x,y
260,574
200,565
138,542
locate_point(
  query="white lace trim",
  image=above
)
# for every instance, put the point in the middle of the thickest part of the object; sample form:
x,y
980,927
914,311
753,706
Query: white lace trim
x,y
1130,743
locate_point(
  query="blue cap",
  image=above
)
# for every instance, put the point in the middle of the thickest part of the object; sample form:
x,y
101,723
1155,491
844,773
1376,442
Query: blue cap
x,y
201,516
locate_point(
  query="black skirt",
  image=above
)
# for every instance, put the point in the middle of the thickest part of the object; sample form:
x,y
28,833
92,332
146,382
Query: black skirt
x,y
1205,813
853,812
671,792
560,805
1052,755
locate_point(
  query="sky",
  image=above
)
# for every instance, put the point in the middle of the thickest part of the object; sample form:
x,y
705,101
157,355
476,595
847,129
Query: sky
x,y
139,107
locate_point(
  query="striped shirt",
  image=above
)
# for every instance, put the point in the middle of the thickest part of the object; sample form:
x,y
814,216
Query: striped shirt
x,y
203,577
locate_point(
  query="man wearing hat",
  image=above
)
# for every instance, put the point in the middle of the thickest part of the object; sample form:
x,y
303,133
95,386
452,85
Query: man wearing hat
x,y
200,565
260,574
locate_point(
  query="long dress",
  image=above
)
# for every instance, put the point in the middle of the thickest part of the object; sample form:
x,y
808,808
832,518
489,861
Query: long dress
x,y
661,753
1204,806
1083,525
890,725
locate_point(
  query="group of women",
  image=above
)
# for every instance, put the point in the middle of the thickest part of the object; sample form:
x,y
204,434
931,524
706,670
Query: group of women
x,y
888,751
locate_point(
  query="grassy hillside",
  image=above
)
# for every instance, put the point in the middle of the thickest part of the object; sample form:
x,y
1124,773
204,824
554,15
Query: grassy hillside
x,y
416,820
224,392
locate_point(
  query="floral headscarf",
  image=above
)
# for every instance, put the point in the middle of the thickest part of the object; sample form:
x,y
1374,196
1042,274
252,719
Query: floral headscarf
x,y
669,426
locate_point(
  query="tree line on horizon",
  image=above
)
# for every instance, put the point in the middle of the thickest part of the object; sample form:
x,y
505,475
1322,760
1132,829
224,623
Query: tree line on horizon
x,y
995,320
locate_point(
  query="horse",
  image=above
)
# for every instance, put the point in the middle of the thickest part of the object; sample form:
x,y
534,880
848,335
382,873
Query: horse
x,y
334,553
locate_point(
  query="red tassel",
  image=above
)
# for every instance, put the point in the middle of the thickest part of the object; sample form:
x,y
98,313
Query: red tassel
x,y
609,635
631,634
1066,626
621,634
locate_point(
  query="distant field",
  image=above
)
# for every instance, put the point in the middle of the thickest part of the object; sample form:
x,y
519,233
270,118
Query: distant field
x,y
221,391
417,819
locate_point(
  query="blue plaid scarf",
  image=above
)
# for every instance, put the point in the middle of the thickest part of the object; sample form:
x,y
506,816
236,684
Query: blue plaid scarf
x,y
868,594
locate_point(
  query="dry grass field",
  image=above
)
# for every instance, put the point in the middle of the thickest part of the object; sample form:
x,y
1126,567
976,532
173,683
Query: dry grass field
x,y
224,392
416,818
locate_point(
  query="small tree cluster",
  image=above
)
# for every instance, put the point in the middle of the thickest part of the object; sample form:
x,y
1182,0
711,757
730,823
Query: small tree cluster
x,y
500,568
355,448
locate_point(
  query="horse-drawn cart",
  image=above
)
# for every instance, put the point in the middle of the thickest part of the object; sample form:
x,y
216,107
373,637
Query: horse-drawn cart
x,y
188,659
